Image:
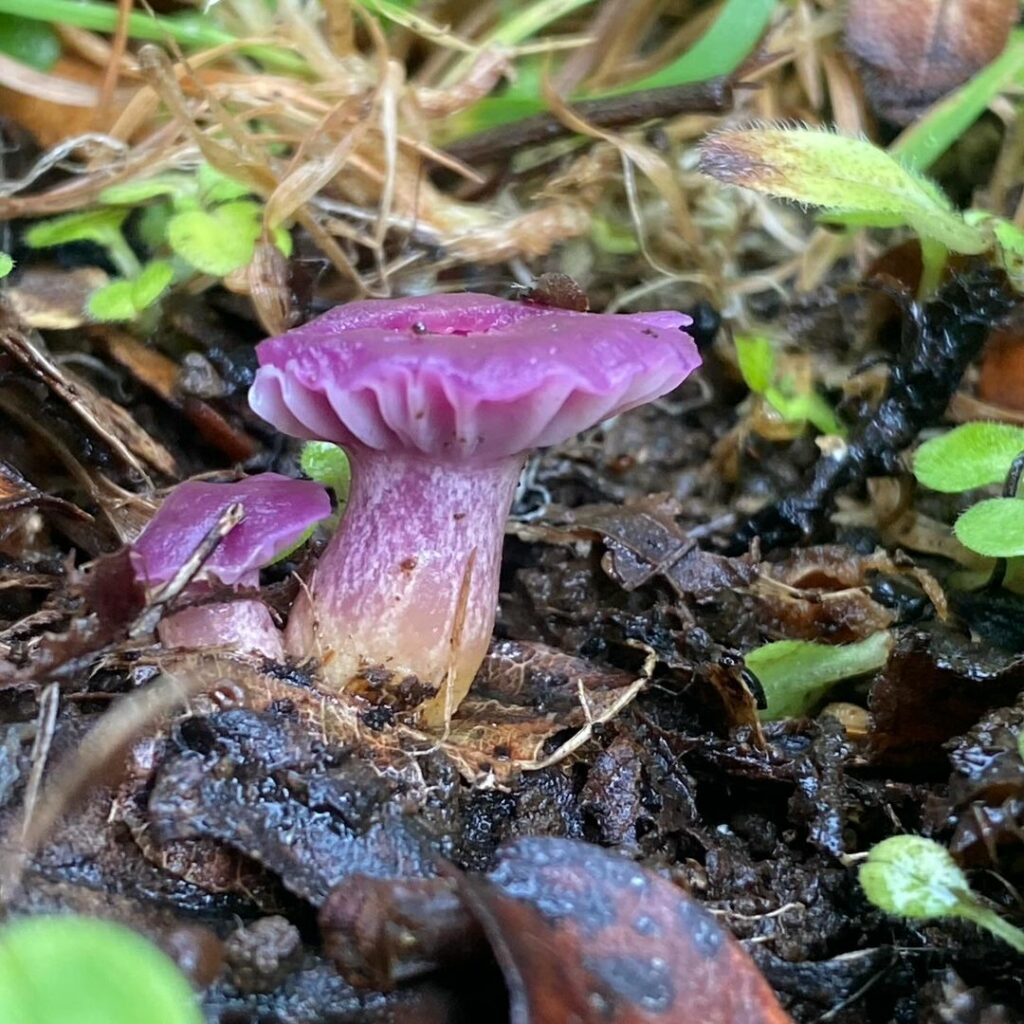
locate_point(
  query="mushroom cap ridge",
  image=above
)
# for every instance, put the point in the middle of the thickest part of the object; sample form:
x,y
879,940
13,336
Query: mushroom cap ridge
x,y
464,376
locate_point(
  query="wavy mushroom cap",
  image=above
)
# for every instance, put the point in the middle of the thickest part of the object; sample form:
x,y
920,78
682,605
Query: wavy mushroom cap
x,y
456,377
278,511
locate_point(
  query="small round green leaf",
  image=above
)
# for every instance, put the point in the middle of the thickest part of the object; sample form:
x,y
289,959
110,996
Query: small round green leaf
x,y
215,187
216,241
6,265
76,970
910,876
994,528
969,456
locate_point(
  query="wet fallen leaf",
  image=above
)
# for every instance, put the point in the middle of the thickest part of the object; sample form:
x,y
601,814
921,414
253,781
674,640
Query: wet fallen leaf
x,y
821,592
935,686
583,934
262,784
644,542
911,54
986,788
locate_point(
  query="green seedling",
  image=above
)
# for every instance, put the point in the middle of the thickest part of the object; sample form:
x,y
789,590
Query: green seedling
x,y
129,299
910,876
796,675
978,455
204,218
77,970
856,184
759,368
203,221
102,227
221,240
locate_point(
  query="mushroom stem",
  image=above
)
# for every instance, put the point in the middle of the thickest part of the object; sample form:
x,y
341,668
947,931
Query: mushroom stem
x,y
244,625
407,587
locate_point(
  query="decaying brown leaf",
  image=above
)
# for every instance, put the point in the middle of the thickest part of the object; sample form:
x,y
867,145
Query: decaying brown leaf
x,y
911,54
1001,381
644,542
583,934
823,592
934,687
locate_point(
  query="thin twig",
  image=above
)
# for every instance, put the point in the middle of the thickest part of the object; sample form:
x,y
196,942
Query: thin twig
x,y
152,613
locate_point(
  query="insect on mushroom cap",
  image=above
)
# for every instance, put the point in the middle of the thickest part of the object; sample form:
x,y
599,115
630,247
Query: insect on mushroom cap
x,y
466,376
278,511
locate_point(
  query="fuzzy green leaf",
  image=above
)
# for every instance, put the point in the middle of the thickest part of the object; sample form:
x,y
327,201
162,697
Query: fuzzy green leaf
x,y
216,241
969,456
756,359
797,674
993,528
847,176
76,970
910,876
91,226
1011,248
6,265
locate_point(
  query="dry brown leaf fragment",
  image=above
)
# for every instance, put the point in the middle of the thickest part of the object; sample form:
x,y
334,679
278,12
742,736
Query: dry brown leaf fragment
x,y
911,54
54,298
523,695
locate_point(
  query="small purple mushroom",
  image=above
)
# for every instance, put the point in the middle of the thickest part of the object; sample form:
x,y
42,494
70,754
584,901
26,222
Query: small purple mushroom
x,y
277,512
437,401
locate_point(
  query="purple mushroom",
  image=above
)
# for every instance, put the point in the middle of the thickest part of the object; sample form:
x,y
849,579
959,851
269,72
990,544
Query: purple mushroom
x,y
278,511
437,401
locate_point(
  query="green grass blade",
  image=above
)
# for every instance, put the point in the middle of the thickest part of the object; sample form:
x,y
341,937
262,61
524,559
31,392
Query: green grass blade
x,y
721,49
927,139
189,31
